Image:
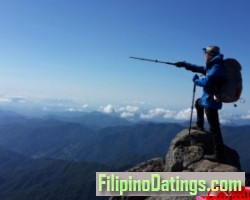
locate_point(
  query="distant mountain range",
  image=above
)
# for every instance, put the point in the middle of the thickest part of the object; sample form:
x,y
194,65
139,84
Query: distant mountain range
x,y
238,138
62,152
94,120
23,178
73,141
98,137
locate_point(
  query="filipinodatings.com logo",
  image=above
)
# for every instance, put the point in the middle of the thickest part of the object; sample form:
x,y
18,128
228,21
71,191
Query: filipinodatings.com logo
x,y
168,183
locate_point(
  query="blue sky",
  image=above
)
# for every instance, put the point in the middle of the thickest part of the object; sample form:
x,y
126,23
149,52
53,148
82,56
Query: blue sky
x,y
79,50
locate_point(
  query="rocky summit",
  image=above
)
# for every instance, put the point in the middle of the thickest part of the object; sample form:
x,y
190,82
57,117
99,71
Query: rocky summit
x,y
186,154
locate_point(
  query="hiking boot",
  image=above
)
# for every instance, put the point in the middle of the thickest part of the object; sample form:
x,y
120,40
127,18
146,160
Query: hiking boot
x,y
198,128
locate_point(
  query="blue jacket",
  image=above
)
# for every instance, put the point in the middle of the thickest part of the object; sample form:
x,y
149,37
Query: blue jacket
x,y
214,75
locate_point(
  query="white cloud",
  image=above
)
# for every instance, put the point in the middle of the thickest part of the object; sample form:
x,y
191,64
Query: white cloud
x,y
224,121
132,108
128,108
246,116
127,115
168,114
158,112
152,113
85,106
13,99
185,114
71,109
5,100
107,109
124,111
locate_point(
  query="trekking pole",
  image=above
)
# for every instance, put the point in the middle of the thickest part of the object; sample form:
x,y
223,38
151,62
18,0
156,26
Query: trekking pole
x,y
192,108
151,60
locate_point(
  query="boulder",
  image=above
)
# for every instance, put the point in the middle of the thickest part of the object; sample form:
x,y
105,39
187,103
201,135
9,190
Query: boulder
x,y
186,154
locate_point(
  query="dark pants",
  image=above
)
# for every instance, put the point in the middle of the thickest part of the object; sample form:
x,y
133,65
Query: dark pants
x,y
214,126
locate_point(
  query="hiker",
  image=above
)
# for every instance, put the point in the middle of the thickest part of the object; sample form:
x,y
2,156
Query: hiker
x,y
214,77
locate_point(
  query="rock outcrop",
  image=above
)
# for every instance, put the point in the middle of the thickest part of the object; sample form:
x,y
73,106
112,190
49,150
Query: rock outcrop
x,y
186,153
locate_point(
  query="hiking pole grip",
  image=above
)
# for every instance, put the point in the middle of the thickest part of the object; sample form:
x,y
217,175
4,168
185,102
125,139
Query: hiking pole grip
x,y
170,63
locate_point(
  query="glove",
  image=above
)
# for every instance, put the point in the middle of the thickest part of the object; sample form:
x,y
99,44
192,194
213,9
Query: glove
x,y
196,77
181,64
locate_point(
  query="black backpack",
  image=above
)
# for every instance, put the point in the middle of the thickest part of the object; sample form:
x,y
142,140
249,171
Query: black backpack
x,y
231,88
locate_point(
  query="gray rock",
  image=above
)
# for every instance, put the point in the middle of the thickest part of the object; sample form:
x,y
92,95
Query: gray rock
x,y
186,153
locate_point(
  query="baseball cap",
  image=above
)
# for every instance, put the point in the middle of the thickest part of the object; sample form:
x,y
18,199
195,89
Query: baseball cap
x,y
212,50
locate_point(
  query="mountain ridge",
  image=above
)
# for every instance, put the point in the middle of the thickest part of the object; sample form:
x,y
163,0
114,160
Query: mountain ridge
x,y
23,178
54,138
37,155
